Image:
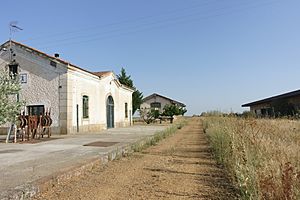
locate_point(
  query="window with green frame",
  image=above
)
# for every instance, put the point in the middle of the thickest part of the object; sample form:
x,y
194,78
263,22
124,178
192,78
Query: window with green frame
x,y
126,110
85,106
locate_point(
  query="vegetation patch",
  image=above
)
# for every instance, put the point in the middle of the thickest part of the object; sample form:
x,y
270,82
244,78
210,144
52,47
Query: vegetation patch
x,y
261,155
159,136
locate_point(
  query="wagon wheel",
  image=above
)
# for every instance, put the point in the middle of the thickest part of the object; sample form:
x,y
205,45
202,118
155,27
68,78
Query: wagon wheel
x,y
49,120
45,125
44,120
39,130
33,125
50,123
26,126
19,122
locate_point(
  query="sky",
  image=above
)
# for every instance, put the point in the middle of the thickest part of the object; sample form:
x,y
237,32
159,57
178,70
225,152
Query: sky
x,y
208,54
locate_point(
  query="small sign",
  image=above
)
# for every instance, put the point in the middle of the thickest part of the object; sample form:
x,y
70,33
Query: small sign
x,y
23,78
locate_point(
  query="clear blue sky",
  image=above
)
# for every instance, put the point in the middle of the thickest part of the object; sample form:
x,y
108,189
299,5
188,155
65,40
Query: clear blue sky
x,y
209,54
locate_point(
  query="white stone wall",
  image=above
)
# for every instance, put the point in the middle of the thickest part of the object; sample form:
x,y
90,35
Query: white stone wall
x,y
81,84
98,91
61,89
43,81
125,97
120,96
163,101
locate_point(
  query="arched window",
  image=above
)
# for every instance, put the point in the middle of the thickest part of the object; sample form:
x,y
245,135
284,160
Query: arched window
x,y
110,112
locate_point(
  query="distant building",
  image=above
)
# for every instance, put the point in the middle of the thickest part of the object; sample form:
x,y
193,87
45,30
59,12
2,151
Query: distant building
x,y
158,102
79,100
288,102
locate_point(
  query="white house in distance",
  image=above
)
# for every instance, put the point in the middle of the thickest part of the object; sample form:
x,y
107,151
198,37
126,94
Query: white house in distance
x,y
79,100
158,102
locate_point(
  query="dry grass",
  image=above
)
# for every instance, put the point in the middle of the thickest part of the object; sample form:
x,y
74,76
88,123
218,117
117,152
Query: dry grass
x,y
160,135
261,155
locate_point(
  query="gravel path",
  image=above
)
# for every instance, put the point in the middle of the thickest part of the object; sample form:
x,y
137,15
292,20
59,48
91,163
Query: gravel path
x,y
180,167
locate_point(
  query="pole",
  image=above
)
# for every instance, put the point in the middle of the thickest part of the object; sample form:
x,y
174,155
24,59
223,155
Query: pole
x,y
10,43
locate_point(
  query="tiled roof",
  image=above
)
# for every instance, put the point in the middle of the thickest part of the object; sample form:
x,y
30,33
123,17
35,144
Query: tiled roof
x,y
155,94
47,55
98,74
103,73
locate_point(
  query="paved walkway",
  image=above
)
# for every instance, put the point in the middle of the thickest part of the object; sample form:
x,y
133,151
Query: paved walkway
x,y
22,165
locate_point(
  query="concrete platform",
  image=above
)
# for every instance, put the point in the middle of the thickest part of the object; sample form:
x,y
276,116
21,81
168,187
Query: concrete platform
x,y
26,169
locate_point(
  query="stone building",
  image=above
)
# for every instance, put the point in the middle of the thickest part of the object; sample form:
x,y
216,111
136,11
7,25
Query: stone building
x,y
158,102
79,100
267,106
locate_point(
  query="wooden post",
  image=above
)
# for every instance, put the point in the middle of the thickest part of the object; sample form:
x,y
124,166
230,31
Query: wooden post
x,y
15,133
8,133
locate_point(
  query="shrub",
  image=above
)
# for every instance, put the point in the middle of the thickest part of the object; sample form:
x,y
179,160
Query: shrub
x,y
149,114
171,110
9,105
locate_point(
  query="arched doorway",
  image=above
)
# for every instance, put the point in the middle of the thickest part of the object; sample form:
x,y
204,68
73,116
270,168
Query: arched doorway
x,y
110,112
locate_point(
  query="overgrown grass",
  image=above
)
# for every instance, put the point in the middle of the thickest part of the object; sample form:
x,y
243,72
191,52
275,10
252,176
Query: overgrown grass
x,y
261,155
159,136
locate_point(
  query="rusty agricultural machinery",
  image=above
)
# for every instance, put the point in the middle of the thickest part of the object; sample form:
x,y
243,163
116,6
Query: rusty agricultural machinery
x,y
33,126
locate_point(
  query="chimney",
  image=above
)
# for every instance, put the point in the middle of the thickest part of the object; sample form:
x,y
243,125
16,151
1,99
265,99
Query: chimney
x,y
56,55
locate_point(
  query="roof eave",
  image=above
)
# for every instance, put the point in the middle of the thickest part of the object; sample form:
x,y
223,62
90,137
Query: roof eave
x,y
173,101
273,98
68,64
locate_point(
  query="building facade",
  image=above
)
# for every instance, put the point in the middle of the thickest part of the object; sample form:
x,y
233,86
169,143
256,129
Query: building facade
x,y
79,100
158,102
283,104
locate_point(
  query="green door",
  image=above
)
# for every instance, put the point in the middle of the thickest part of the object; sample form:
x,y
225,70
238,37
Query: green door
x,y
110,112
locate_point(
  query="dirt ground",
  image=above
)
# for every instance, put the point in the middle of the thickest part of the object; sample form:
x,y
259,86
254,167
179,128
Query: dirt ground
x,y
179,167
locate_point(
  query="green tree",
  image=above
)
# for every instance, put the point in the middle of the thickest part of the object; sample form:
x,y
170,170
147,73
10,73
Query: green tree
x,y
9,106
137,96
149,114
171,110
125,79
